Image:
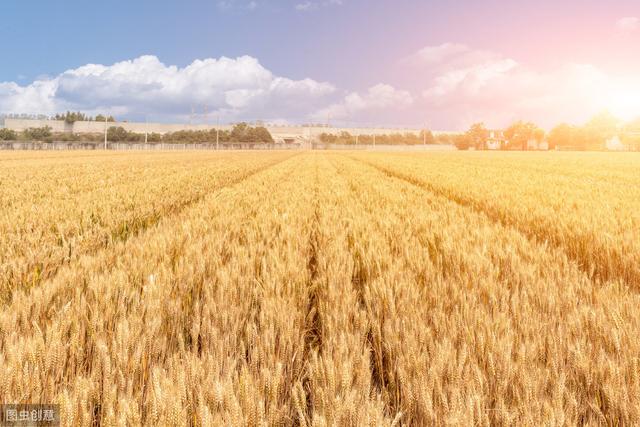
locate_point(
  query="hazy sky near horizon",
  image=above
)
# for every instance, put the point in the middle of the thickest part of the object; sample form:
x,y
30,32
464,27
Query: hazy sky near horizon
x,y
352,62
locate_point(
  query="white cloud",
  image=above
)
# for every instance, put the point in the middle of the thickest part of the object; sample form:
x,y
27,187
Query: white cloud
x,y
463,85
473,77
377,100
301,6
440,53
225,4
238,4
449,86
628,24
235,88
449,56
36,97
308,5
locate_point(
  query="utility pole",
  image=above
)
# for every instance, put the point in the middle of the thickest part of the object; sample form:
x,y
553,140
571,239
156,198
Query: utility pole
x,y
146,129
105,132
424,135
206,114
218,134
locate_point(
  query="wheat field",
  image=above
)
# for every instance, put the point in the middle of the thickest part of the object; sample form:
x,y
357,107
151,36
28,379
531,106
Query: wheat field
x,y
322,288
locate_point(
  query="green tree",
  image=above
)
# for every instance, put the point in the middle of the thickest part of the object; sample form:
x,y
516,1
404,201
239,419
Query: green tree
x,y
116,134
72,117
154,137
598,130
520,133
461,141
478,136
444,138
240,133
426,137
37,134
630,135
102,118
563,135
261,134
8,135
328,138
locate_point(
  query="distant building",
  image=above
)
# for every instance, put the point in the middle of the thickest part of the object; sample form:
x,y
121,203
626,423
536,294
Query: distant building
x,y
624,141
615,144
496,140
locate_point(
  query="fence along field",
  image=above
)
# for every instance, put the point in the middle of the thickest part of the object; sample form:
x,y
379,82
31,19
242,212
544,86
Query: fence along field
x,y
322,288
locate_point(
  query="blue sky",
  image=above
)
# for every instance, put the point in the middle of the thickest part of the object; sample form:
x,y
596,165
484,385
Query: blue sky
x,y
362,57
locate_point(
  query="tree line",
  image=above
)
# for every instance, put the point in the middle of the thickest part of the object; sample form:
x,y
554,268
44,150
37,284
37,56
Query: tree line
x,y
31,134
241,132
516,137
593,135
346,138
77,116
69,117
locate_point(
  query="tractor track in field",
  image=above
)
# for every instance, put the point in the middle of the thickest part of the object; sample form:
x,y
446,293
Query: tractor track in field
x,y
313,327
594,271
382,361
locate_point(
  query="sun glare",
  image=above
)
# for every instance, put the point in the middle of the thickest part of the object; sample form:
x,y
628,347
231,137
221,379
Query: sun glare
x,y
624,101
